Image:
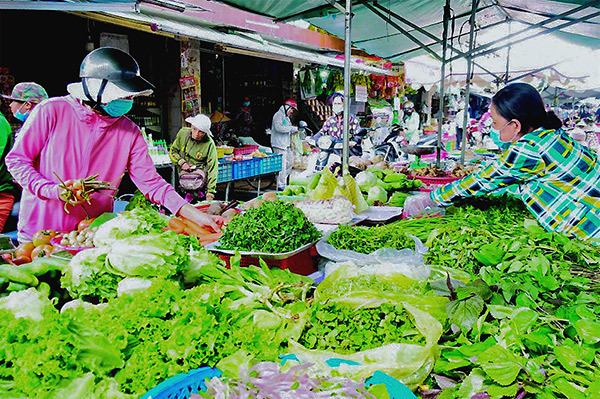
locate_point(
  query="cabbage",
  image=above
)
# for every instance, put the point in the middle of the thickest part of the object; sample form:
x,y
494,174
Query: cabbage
x,y
377,193
199,259
88,277
30,304
132,284
366,180
150,255
136,222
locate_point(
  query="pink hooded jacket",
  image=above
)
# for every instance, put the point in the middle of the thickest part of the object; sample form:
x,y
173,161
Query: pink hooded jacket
x,y
63,136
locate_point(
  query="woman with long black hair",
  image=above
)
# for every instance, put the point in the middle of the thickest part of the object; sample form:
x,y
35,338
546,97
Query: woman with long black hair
x,y
557,178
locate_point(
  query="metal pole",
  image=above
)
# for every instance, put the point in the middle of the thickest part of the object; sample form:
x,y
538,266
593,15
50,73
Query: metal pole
x,y
507,58
468,82
442,83
223,76
347,71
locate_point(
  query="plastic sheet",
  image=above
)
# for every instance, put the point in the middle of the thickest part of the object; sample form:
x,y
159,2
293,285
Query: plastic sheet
x,y
405,261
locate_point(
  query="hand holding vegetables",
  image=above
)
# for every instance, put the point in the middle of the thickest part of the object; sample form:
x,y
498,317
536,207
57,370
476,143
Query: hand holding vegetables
x,y
76,192
191,213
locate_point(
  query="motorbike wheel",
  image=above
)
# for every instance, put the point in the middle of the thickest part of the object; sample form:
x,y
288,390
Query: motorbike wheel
x,y
266,182
386,152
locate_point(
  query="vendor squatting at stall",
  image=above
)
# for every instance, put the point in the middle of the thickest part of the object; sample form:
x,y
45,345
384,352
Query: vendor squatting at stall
x,y
85,134
557,178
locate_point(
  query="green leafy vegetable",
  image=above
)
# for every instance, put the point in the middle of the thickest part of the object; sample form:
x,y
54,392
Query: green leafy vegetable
x,y
274,227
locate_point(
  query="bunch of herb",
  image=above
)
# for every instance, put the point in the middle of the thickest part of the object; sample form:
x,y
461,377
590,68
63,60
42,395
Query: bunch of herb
x,y
345,330
529,326
273,227
369,239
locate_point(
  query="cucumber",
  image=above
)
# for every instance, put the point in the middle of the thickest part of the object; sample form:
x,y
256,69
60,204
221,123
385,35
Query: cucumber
x,y
17,274
44,288
37,267
16,287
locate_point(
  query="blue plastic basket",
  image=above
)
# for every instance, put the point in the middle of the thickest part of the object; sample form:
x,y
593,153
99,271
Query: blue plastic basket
x,y
271,163
225,173
182,386
247,168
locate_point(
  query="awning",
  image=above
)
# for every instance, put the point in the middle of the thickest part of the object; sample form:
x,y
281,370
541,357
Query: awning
x,y
376,36
242,42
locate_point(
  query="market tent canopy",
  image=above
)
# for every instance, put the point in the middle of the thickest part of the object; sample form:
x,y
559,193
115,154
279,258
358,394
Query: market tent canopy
x,y
389,43
551,60
230,40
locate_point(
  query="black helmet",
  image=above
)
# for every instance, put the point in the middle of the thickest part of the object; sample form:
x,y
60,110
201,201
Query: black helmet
x,y
112,65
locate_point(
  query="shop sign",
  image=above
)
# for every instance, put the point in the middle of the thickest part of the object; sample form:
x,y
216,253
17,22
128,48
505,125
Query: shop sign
x,y
360,93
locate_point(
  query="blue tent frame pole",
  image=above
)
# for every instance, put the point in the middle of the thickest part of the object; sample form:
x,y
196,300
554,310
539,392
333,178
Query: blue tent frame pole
x,y
347,71
466,115
442,83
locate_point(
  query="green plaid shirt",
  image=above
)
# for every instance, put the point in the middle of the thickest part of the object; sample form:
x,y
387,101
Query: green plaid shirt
x,y
557,179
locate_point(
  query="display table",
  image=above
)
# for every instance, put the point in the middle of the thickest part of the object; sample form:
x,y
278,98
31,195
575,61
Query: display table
x,y
232,171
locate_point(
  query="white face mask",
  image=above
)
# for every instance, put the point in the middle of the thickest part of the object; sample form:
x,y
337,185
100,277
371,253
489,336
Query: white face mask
x,y
337,108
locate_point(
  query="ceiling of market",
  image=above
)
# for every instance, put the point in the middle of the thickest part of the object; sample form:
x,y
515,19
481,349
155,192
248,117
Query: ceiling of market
x,y
387,42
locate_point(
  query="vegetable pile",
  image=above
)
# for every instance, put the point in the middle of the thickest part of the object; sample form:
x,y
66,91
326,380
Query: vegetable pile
x,y
273,227
369,239
505,310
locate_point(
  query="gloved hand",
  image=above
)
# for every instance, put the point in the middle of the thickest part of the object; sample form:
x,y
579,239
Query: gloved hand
x,y
417,203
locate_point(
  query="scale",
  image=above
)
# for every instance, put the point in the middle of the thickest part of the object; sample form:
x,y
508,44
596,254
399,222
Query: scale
x,y
418,151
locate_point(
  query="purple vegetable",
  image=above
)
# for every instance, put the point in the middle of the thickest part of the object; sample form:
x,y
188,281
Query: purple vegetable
x,y
266,380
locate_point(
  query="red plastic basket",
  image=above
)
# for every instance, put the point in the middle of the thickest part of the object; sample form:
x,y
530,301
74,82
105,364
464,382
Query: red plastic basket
x,y
303,263
247,149
435,180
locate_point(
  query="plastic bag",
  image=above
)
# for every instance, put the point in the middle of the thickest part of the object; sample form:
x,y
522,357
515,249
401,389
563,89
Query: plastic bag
x,y
405,261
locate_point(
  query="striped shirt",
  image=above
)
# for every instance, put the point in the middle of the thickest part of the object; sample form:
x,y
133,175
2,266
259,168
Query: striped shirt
x,y
558,180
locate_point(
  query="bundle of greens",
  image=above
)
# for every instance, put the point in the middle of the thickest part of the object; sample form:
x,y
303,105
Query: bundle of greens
x,y
273,227
369,239
345,330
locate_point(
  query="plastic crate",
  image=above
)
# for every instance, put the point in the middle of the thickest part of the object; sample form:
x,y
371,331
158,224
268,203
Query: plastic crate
x,y
303,263
271,163
183,385
247,149
222,151
225,172
247,168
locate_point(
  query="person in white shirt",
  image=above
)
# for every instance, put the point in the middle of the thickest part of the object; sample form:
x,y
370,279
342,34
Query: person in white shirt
x,y
281,130
411,121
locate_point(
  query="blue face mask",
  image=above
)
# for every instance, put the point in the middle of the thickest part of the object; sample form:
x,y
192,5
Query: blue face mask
x,y
118,107
21,116
247,104
495,136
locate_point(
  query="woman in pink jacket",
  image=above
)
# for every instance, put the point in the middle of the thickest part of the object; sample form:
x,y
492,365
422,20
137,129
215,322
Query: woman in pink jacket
x,y
83,134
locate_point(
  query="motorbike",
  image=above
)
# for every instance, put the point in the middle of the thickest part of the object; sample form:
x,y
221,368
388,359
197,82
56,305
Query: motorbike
x,y
391,148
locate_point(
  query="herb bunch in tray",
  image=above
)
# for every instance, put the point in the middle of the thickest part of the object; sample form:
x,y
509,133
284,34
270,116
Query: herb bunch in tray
x,y
274,227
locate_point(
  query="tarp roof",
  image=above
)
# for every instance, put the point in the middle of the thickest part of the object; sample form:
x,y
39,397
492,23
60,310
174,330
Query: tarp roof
x,y
387,42
174,24
572,66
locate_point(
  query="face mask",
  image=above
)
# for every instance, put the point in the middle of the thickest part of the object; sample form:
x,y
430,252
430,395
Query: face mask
x,y
495,136
337,108
118,107
20,116
246,104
